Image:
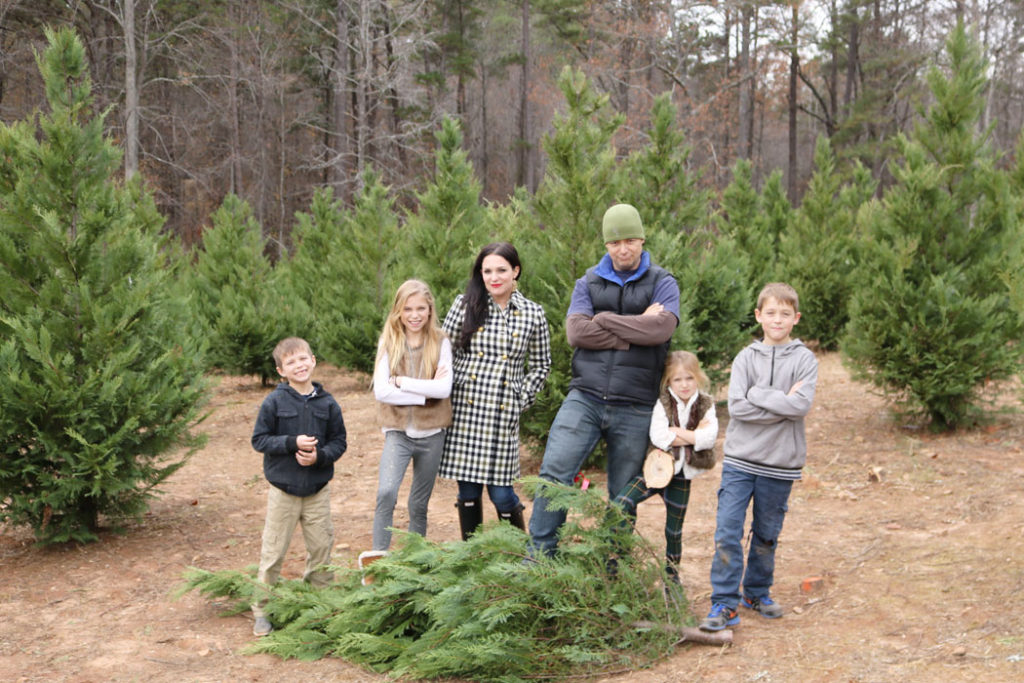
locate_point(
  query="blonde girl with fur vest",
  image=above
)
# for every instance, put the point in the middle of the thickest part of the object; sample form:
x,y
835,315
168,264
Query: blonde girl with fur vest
x,y
683,423
412,382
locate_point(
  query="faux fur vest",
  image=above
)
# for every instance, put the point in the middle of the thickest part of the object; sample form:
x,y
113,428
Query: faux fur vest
x,y
435,414
702,460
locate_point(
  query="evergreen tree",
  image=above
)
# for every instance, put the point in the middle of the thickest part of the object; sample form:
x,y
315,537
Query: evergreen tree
x,y
774,219
448,228
659,182
244,305
577,188
932,320
102,379
817,252
715,284
342,267
754,222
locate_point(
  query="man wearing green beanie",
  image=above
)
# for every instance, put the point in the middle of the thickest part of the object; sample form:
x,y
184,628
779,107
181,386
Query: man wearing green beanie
x,y
621,317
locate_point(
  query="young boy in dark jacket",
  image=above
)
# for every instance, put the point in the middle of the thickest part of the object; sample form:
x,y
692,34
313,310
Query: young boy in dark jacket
x,y
301,433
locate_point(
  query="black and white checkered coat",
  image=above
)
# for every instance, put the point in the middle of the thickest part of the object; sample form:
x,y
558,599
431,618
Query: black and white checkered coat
x,y
494,380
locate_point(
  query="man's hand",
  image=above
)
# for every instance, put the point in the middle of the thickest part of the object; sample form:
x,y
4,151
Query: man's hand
x,y
653,309
796,386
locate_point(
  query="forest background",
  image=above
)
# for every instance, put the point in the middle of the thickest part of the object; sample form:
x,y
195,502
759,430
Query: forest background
x,y
271,100
274,183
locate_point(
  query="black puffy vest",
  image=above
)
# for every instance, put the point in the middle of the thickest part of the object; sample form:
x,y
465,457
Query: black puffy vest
x,y
630,376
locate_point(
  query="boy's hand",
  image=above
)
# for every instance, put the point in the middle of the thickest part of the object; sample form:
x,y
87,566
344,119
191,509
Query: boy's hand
x,y
306,455
796,386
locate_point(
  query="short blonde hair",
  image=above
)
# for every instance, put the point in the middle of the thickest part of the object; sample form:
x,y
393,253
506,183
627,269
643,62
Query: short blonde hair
x,y
288,346
684,360
781,292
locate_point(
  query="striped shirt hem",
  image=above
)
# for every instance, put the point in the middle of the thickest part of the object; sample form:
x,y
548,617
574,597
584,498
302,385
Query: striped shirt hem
x,y
762,470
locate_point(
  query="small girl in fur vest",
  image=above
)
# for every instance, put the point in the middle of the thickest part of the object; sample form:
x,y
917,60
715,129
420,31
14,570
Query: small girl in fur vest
x,y
412,382
683,423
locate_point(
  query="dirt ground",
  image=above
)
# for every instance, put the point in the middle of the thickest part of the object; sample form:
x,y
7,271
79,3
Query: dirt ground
x,y
919,540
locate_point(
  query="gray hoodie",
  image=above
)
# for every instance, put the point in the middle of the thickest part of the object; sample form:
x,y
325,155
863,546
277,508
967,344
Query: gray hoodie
x,y
765,435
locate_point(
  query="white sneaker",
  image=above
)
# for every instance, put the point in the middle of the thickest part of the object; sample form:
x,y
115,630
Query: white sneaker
x,y
366,558
261,627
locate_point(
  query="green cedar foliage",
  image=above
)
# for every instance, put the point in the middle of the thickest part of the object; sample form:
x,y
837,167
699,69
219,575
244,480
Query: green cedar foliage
x,y
712,272
933,320
659,182
244,306
577,188
817,254
344,268
448,229
714,284
101,379
755,223
480,610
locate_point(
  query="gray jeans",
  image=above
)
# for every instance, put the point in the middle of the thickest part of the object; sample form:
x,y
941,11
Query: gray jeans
x,y
399,449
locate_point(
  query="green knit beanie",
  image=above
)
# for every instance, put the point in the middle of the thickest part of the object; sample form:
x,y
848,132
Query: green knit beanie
x,y
622,222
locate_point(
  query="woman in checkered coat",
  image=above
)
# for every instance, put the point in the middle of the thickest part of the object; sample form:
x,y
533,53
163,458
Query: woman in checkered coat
x,y
502,355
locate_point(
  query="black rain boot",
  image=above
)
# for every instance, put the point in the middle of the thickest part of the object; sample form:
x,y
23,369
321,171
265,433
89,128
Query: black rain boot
x,y
515,517
672,568
470,516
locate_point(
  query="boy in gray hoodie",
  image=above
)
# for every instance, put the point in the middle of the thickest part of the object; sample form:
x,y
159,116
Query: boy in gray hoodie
x,y
770,391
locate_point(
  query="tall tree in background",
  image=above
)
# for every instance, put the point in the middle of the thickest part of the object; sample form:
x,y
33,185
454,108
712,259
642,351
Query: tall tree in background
x,y
448,228
103,379
658,177
817,254
793,174
579,185
244,306
345,267
754,220
932,320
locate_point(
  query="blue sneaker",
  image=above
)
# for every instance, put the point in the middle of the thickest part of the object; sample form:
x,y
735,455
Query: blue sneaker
x,y
719,617
766,606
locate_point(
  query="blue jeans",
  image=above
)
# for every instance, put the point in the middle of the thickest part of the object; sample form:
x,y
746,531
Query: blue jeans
x,y
769,497
580,422
503,497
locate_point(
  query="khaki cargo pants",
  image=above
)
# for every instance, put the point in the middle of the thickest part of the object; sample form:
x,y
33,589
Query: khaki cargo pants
x,y
284,512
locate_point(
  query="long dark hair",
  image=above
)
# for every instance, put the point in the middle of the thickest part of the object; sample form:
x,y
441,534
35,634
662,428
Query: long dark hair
x,y
476,297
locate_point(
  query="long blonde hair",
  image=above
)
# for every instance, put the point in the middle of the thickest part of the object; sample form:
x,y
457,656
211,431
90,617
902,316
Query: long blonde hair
x,y
687,361
392,337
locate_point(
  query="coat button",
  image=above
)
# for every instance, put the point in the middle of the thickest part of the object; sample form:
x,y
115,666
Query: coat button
x,y
472,376
515,334
504,356
481,354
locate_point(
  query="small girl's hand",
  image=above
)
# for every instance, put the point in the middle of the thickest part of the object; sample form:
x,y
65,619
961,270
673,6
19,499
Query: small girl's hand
x,y
442,372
